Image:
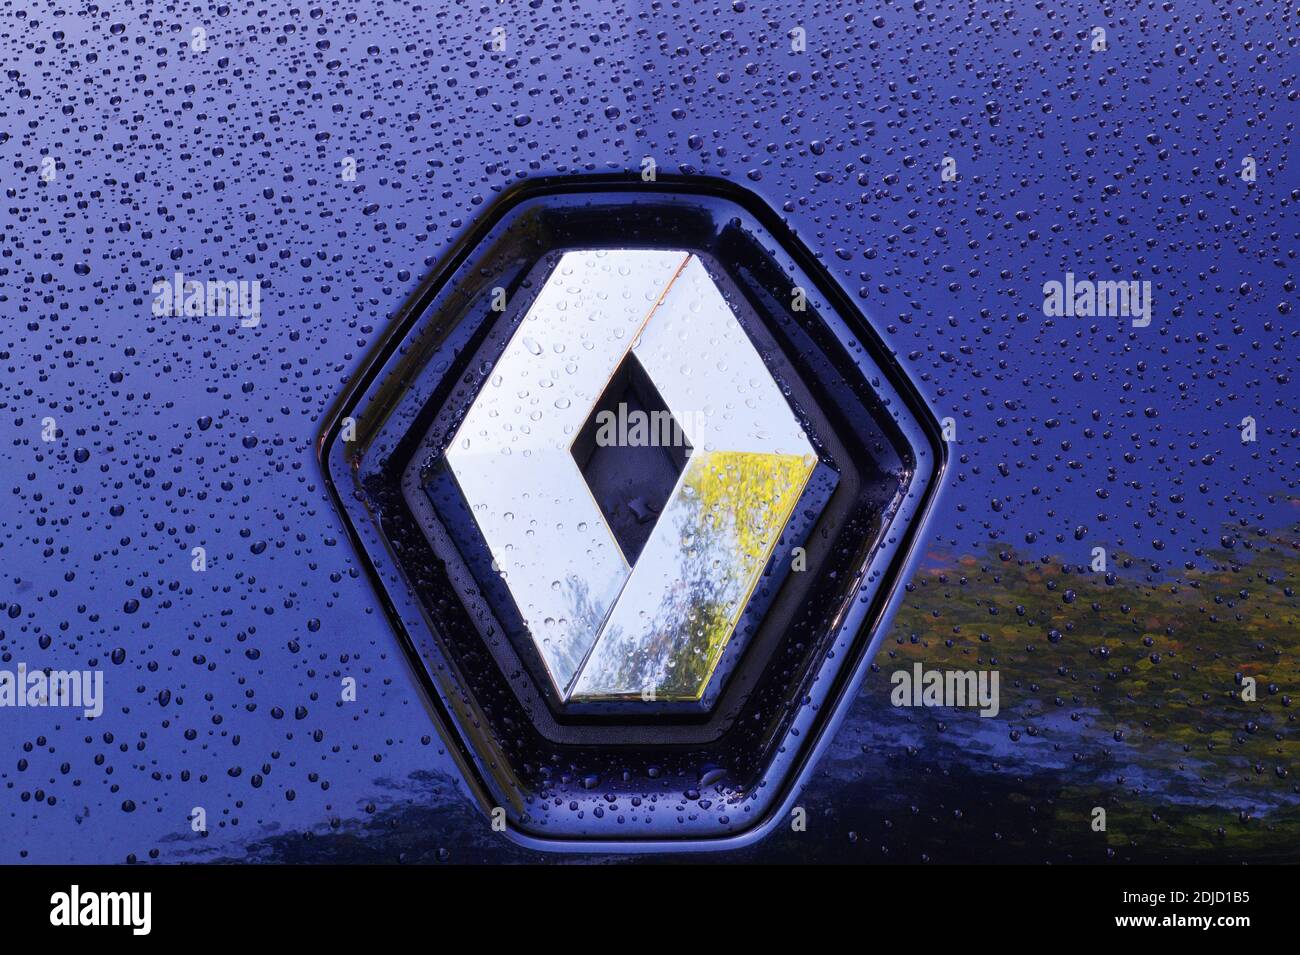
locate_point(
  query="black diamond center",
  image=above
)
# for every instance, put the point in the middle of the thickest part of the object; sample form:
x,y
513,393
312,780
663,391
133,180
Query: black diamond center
x,y
631,451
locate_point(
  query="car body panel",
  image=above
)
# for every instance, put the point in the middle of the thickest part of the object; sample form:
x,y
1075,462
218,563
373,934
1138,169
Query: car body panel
x,y
230,159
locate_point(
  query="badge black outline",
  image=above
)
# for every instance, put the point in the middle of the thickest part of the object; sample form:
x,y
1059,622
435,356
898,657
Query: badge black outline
x,y
861,646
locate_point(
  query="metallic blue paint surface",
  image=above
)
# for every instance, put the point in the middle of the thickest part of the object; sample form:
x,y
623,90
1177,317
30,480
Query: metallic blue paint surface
x,y
223,687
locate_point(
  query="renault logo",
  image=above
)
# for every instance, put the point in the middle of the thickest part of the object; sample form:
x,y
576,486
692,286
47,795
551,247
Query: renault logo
x,y
615,619
635,482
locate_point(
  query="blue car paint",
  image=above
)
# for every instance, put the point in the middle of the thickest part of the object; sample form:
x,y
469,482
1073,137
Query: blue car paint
x,y
226,163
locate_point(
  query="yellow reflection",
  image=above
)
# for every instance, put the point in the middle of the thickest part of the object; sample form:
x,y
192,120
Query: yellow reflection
x,y
689,588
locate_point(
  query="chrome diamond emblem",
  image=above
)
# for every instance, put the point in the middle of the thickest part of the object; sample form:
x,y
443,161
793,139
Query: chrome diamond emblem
x,y
633,633
607,624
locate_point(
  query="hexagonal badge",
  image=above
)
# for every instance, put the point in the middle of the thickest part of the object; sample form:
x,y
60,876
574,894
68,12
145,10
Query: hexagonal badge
x,y
637,483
